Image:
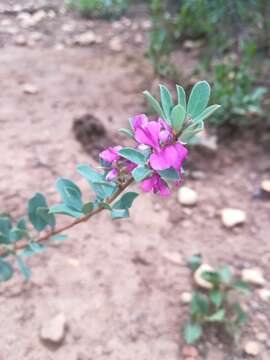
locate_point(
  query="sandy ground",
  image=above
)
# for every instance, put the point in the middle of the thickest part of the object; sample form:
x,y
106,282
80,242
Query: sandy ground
x,y
117,283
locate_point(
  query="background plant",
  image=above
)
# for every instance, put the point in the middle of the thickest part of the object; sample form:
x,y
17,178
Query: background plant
x,y
238,29
154,162
216,306
99,8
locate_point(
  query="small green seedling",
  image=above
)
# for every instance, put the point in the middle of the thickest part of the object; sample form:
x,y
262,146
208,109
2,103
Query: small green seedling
x,y
214,306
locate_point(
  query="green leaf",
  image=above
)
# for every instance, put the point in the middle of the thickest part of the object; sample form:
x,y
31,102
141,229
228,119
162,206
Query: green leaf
x,y
206,113
59,237
141,172
6,270
242,286
17,234
37,201
212,277
167,102
119,214
21,224
89,173
23,268
198,98
133,155
70,193
104,189
192,332
5,227
65,210
88,208
169,174
126,201
127,132
241,316
43,212
199,305
181,95
194,262
33,248
216,296
154,104
191,131
178,117
225,275
218,316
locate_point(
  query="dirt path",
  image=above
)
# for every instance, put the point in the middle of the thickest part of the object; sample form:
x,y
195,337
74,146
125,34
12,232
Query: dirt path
x,y
116,282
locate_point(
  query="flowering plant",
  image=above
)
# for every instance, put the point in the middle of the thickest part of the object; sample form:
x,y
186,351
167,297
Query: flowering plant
x,y
155,162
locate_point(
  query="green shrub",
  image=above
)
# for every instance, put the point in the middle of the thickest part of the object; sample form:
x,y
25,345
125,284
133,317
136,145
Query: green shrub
x,y
99,8
215,306
242,103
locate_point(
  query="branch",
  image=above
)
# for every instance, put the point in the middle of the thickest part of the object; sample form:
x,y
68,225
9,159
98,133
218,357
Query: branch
x,y
23,243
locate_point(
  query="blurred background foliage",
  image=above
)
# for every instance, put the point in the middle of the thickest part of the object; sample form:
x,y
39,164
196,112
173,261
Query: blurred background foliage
x,y
231,39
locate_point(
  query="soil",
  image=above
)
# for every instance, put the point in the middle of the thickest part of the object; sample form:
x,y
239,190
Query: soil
x,y
117,283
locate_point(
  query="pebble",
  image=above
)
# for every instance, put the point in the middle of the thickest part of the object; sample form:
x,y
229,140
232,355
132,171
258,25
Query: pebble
x,y
199,279
252,348
138,38
186,297
87,38
207,142
262,337
198,175
264,295
20,40
190,351
187,196
115,44
173,257
232,217
265,186
253,276
30,89
54,329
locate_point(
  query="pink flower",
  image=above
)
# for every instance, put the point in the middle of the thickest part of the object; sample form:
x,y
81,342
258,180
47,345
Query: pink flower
x,y
156,184
167,153
112,174
110,155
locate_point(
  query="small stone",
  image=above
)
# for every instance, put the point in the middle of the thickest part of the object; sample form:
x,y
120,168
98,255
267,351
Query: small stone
x,y
198,175
232,217
115,44
20,40
173,257
146,24
265,186
207,142
87,38
262,337
138,39
252,348
191,44
54,329
253,276
36,36
190,351
186,297
69,27
199,280
30,89
264,294
187,196
73,262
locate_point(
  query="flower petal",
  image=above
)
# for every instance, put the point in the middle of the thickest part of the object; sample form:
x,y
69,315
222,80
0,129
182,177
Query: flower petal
x,y
139,120
148,134
111,154
147,184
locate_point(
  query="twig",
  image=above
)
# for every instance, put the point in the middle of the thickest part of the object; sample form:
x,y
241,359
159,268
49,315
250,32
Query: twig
x,y
23,243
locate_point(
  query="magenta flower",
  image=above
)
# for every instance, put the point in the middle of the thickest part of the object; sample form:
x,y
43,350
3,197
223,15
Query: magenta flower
x,y
156,184
110,155
112,174
167,153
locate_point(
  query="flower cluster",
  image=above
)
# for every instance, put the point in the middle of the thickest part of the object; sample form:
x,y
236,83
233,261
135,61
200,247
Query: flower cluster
x,y
157,141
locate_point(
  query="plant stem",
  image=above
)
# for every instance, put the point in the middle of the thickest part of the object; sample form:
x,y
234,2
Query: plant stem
x,y
23,243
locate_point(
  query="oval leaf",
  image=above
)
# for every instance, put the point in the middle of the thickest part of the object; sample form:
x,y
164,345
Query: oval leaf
x,y
192,332
178,117
198,98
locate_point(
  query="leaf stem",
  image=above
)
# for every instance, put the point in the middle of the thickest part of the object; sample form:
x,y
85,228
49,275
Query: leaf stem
x,y
23,243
